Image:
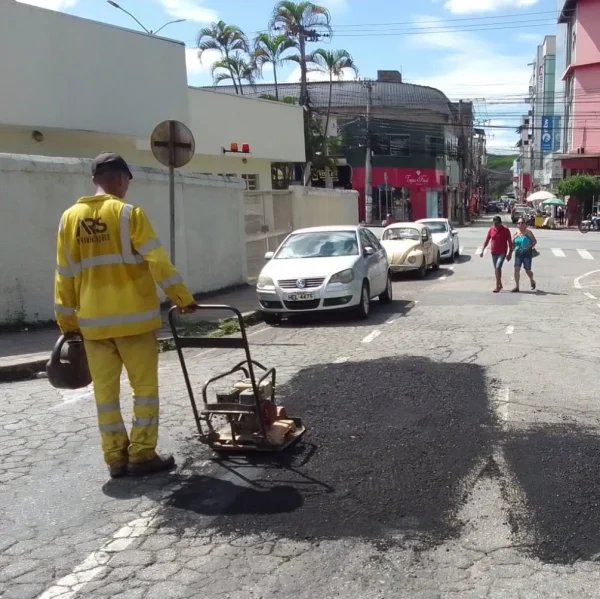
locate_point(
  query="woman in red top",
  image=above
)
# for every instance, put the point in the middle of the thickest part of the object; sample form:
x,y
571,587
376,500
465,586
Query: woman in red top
x,y
502,247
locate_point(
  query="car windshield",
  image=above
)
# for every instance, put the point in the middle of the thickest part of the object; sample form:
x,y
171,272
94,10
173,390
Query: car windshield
x,y
399,233
437,227
319,244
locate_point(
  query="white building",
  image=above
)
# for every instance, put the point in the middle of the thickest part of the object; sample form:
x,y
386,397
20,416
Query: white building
x,y
75,87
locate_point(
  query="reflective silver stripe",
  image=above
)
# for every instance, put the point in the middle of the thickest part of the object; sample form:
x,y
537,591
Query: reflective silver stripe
x,y
111,406
145,401
115,427
102,260
145,421
126,249
64,271
75,268
170,281
108,321
149,246
65,310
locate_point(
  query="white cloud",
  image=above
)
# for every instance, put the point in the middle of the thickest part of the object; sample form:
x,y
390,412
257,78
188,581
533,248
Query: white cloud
x,y
335,6
197,69
191,10
294,76
462,7
51,4
473,68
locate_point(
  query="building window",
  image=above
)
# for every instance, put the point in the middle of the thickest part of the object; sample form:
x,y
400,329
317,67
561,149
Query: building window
x,y
391,145
251,182
435,146
228,175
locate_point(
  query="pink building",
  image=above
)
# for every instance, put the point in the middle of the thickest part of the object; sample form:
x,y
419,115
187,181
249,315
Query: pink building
x,y
581,124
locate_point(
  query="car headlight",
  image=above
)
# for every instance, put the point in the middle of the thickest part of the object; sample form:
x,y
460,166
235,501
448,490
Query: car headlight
x,y
345,277
265,282
411,259
445,240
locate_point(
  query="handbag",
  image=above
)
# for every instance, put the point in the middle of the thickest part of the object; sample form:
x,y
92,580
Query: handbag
x,y
535,253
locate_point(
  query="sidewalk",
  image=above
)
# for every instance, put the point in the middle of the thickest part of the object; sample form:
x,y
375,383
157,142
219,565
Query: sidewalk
x,y
25,353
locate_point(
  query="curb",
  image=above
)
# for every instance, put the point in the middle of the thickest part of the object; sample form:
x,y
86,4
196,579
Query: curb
x,y
21,371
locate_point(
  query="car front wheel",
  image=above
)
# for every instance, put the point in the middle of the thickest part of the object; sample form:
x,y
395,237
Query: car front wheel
x,y
386,297
364,307
436,262
422,272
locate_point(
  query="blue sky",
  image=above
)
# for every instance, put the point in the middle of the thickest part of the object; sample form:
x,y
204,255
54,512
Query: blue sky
x,y
472,49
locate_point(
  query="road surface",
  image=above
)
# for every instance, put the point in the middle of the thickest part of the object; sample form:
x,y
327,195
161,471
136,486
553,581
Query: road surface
x,y
453,452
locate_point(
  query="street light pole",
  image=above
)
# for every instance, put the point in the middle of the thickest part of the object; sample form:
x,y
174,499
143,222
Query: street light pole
x,y
148,31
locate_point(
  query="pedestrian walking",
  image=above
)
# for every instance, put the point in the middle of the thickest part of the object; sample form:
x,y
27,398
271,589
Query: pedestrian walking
x,y
524,242
501,242
109,261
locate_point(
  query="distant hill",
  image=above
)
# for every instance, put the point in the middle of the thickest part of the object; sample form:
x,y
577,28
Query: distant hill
x,y
499,173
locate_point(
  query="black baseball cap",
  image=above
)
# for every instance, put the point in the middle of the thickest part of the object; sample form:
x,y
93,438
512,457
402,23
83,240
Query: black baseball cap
x,y
109,162
497,219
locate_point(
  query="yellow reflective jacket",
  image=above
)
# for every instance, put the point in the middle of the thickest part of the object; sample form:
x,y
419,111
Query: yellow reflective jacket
x,y
109,261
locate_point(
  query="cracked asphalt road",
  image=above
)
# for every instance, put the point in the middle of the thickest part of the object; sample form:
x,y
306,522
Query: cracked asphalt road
x,y
455,455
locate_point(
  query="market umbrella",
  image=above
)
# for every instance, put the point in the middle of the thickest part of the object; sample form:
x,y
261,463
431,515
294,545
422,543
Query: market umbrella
x,y
540,196
553,202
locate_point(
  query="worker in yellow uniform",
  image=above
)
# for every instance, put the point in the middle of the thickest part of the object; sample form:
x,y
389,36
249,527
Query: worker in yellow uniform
x,y
108,261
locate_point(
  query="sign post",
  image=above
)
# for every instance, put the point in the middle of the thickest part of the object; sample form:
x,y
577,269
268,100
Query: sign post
x,y
173,145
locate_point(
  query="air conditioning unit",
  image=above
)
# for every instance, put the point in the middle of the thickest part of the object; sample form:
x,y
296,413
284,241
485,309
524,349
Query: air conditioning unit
x,y
581,150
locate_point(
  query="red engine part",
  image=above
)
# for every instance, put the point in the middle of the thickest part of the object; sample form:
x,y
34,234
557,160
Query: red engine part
x,y
268,412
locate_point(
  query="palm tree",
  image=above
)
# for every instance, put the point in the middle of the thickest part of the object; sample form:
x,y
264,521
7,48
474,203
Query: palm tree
x,y
302,21
269,50
237,68
333,64
226,39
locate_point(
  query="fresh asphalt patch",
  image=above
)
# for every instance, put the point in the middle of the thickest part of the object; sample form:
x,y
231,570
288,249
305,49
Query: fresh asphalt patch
x,y
394,446
557,469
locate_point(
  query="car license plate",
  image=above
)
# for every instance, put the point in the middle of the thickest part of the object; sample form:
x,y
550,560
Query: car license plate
x,y
300,297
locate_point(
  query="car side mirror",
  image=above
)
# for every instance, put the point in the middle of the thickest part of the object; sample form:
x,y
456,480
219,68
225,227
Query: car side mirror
x,y
368,251
269,255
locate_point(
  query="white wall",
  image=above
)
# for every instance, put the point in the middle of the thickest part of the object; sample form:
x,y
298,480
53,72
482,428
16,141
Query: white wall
x,y
34,191
60,71
274,130
315,207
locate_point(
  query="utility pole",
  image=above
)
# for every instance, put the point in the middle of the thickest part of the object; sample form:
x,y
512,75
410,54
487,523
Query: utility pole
x,y
461,211
368,165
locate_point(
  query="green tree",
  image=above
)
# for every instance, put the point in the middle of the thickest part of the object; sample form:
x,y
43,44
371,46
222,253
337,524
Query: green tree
x,y
237,68
229,40
269,49
333,64
583,187
302,22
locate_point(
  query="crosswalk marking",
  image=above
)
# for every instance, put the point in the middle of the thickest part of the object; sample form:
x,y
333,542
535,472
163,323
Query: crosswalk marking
x,y
555,252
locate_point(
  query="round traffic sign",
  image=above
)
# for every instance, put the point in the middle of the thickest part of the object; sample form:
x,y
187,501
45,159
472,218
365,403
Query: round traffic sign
x,y
172,144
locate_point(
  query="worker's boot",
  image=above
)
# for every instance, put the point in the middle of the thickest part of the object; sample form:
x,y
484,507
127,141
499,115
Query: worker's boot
x,y
117,471
159,463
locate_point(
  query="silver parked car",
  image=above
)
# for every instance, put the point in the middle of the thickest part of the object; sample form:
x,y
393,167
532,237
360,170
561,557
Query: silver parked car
x,y
324,268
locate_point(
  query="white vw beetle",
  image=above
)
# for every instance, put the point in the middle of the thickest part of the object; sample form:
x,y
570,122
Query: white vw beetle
x,y
410,247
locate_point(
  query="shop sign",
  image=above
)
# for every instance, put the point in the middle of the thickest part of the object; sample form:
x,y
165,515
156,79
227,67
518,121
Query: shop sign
x,y
417,179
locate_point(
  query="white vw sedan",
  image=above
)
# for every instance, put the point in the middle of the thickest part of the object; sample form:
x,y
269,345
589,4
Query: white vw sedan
x,y
445,236
324,268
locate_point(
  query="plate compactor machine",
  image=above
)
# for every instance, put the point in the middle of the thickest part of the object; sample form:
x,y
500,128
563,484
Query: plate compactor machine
x,y
250,418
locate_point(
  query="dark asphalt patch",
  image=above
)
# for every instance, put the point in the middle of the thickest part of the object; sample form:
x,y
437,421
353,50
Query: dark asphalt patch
x,y
392,450
558,471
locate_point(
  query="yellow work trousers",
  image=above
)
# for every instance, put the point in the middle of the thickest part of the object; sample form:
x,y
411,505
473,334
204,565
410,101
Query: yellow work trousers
x,y
106,357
